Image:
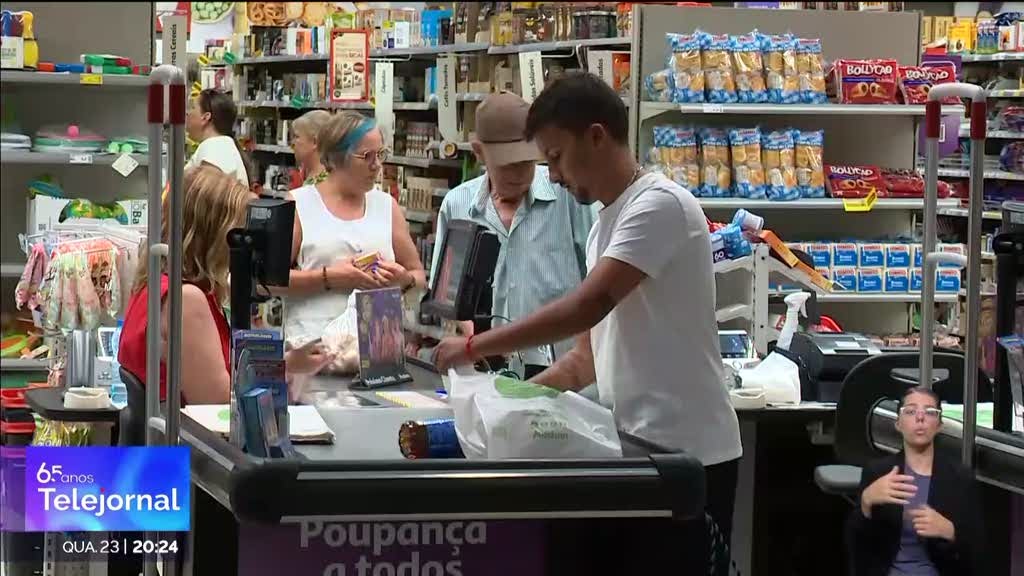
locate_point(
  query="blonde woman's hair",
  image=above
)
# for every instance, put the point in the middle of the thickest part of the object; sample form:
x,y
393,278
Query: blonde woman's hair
x,y
214,203
340,135
311,123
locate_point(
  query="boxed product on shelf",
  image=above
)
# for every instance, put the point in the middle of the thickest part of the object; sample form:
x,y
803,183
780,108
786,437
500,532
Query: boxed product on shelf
x,y
916,81
870,279
962,36
897,255
845,254
917,252
854,181
865,81
820,253
927,29
845,277
872,255
942,26
45,211
951,248
897,280
611,66
947,280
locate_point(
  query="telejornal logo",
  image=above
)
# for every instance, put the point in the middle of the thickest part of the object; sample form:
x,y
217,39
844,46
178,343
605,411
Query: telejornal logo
x,y
58,499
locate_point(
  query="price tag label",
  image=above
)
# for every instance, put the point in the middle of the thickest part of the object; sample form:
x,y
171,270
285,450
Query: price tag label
x,y
125,165
203,59
712,109
447,107
860,204
91,79
81,159
531,75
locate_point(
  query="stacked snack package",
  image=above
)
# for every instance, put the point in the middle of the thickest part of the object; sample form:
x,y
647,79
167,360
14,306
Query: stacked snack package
x,y
810,67
685,63
675,154
810,174
659,86
748,173
749,65
780,69
716,179
780,166
865,81
916,81
718,76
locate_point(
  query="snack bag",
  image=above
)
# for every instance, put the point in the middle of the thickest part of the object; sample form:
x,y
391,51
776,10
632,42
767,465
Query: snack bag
x,y
715,180
659,86
780,69
810,175
747,170
749,66
916,81
780,166
810,67
719,84
676,148
685,63
854,181
866,81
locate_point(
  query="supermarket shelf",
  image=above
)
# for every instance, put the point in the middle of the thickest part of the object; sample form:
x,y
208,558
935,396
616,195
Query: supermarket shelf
x,y
49,158
418,216
651,109
962,213
11,270
818,204
314,104
856,297
1006,93
965,132
989,174
1001,57
109,80
734,312
561,45
282,58
422,162
431,50
24,364
273,148
726,266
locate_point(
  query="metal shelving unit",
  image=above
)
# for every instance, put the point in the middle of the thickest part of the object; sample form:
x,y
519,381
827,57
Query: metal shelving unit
x,y
1000,57
96,81
73,159
989,174
423,162
817,204
1006,93
651,109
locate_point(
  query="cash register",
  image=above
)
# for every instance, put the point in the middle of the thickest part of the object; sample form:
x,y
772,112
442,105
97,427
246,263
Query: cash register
x,y
461,285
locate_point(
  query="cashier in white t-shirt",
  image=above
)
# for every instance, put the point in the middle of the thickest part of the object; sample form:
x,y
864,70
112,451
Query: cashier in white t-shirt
x,y
644,315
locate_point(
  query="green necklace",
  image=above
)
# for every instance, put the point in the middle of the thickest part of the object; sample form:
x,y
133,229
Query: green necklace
x,y
316,178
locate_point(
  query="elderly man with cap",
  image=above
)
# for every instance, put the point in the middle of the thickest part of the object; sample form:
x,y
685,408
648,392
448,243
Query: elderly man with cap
x,y
542,229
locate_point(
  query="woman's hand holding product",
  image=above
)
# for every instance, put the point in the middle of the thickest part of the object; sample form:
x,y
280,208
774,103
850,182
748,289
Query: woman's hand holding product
x,y
344,275
893,488
930,524
393,274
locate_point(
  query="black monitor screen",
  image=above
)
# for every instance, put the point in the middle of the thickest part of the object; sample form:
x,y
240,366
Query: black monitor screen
x,y
452,265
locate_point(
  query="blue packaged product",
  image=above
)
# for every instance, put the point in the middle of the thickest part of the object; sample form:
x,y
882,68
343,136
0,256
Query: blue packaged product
x,y
897,280
716,172
749,66
810,169
684,61
736,245
959,249
869,279
719,83
747,170
674,136
916,279
897,255
820,253
780,166
810,69
844,254
718,253
780,69
872,255
659,86
918,254
947,280
845,277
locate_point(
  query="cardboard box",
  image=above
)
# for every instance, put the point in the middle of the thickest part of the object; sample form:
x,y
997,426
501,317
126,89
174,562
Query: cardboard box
x,y
897,256
952,249
44,213
927,30
1020,36
947,281
12,52
872,255
916,279
870,279
846,277
1008,38
941,27
820,253
962,37
845,254
897,280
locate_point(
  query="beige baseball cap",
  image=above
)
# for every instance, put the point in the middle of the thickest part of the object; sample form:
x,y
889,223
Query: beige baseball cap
x,y
500,129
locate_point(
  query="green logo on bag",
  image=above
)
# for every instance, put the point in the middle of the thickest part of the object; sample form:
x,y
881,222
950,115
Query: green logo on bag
x,y
512,388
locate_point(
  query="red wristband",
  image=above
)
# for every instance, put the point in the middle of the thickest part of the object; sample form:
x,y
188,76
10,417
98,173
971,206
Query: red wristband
x,y
469,348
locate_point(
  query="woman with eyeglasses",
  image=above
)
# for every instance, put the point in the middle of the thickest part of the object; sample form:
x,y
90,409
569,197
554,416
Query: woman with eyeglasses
x,y
340,219
919,511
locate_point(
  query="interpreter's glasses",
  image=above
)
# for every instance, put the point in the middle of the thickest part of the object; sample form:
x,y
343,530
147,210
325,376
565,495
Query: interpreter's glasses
x,y
929,413
381,155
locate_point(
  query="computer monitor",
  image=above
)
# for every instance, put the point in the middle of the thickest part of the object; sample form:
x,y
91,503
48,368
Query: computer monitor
x,y
464,271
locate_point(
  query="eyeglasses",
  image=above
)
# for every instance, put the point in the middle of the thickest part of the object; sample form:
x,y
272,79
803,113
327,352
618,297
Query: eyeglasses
x,y
913,411
381,155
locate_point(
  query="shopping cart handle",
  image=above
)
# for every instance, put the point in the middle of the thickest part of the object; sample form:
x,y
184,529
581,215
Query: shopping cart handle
x,y
166,98
947,258
933,109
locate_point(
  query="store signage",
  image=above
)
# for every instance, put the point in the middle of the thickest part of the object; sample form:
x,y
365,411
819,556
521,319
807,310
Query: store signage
x,y
94,489
599,63
531,75
125,165
175,37
381,340
384,99
350,66
447,106
91,79
949,135
362,548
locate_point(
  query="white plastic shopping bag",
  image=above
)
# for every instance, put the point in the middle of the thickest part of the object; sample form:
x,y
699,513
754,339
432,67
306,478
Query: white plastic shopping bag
x,y
500,417
777,376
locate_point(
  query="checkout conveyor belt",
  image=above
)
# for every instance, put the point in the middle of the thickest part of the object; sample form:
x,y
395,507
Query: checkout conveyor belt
x,y
1000,456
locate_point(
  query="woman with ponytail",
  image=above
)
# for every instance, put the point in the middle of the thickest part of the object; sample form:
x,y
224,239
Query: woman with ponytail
x,y
211,122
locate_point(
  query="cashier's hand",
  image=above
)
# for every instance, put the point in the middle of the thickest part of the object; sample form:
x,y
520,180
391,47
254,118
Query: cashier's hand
x,y
451,352
306,360
893,488
930,524
393,274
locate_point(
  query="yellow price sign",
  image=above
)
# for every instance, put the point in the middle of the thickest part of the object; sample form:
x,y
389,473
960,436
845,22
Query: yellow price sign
x,y
864,204
203,59
91,79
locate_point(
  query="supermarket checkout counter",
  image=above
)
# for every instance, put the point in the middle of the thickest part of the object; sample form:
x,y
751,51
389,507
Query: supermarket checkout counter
x,y
295,512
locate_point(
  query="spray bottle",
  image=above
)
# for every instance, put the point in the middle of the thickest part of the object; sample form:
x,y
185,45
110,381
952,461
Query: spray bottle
x,y
796,304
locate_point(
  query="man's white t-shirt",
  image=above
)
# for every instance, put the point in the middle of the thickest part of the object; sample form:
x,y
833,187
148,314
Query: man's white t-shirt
x,y
222,152
656,354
